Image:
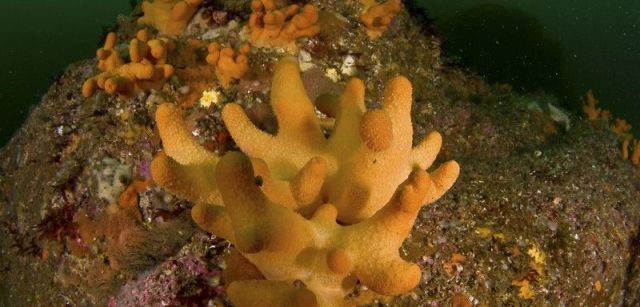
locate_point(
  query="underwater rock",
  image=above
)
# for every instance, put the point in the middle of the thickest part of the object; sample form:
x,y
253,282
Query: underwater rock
x,y
540,215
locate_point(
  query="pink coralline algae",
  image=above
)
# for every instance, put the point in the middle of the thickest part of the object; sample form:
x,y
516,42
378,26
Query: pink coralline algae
x,y
182,281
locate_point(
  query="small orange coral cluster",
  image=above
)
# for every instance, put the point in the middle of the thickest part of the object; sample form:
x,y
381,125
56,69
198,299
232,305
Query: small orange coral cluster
x,y
143,49
272,27
377,16
170,17
619,127
297,210
229,66
118,78
591,110
129,197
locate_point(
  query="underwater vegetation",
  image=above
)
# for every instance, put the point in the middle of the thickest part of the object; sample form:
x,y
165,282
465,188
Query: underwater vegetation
x,y
309,153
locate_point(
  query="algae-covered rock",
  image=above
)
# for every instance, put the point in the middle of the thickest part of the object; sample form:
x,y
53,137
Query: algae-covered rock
x,y
542,214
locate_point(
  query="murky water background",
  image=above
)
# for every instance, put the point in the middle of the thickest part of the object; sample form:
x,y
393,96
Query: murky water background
x,y
592,44
39,39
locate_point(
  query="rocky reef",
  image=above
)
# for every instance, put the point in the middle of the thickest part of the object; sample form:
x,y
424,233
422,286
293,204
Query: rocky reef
x,y
544,211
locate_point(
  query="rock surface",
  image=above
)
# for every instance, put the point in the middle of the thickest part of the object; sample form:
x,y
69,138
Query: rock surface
x,y
540,216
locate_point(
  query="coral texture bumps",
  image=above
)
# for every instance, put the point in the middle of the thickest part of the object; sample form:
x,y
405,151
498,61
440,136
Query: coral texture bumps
x,y
306,219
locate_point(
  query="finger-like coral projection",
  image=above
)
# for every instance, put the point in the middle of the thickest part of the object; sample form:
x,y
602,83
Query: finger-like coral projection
x,y
278,206
108,57
620,127
185,168
273,27
118,78
143,49
635,157
229,65
377,16
326,257
367,154
170,17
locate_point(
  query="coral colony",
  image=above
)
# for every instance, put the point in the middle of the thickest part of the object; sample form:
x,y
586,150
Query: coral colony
x,y
295,204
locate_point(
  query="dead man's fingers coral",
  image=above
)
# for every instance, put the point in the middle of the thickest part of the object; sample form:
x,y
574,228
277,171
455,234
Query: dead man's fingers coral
x,y
286,247
143,49
230,66
118,78
272,27
362,147
108,57
186,168
377,16
170,17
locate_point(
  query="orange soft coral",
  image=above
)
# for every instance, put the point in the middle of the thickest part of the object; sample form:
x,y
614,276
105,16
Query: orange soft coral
x,y
170,17
377,16
108,57
620,127
635,157
143,49
129,197
591,110
128,79
229,66
272,27
117,78
363,147
281,207
327,257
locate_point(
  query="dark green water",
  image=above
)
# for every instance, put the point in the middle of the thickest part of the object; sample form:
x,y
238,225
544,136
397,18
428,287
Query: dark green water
x,y
561,46
40,38
599,43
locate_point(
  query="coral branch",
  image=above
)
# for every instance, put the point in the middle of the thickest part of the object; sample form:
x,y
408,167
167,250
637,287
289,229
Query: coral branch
x,y
363,147
271,27
377,16
229,65
128,79
170,17
298,209
286,247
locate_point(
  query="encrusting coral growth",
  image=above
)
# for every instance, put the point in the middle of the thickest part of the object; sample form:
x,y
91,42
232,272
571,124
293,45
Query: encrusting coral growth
x,y
377,16
170,17
286,222
273,27
118,78
229,65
